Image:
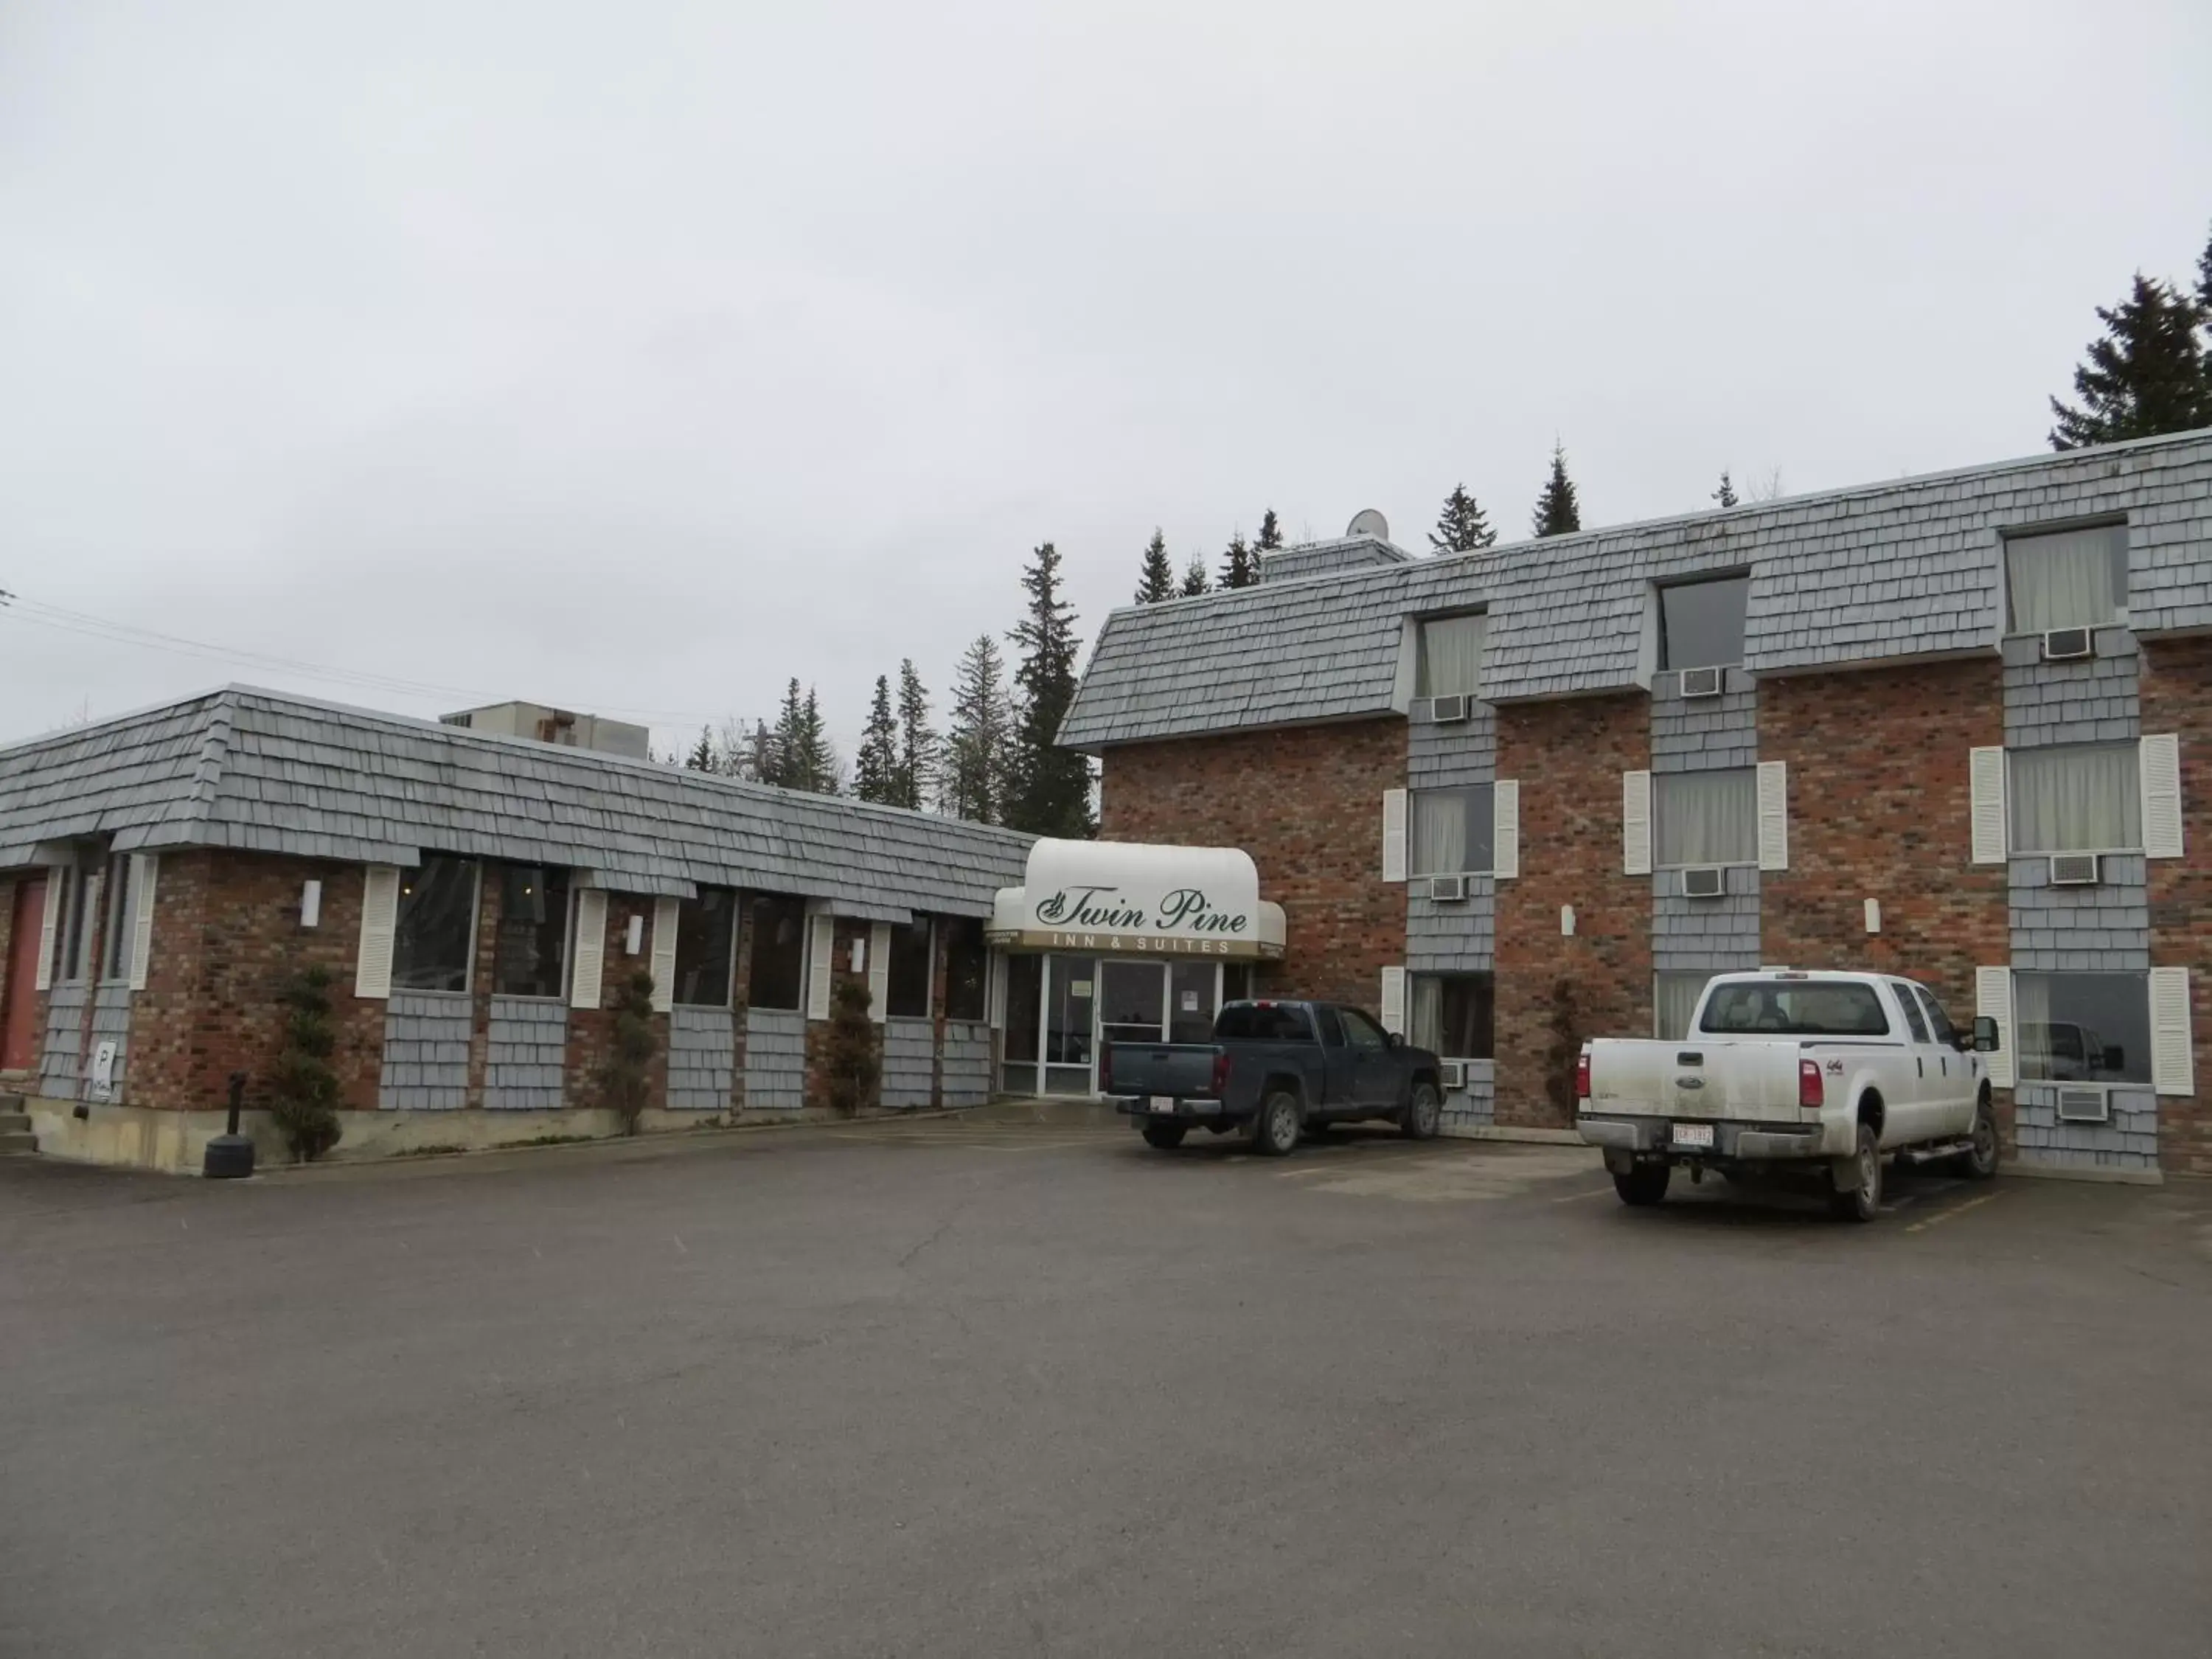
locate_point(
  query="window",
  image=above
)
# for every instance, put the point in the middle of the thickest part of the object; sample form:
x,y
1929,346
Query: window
x,y
1361,1032
967,968
2083,1028
906,994
1448,656
1938,1021
2085,799
779,952
706,948
435,926
1769,1008
1706,817
533,931
2070,579
1454,1015
1236,980
1451,831
120,920
1331,1028
1262,1022
1701,624
81,897
1674,1003
1914,1019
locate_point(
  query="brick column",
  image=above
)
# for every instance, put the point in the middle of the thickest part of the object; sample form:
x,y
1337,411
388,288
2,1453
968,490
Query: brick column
x,y
490,906
2176,690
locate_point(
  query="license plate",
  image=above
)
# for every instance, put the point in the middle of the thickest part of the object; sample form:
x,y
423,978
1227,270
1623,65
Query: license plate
x,y
1161,1103
1693,1134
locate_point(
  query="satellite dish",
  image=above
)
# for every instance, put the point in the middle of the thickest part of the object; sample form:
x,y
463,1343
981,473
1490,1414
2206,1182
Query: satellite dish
x,y
1369,522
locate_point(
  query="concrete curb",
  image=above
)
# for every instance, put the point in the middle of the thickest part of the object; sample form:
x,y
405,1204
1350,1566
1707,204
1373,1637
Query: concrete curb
x,y
2096,1174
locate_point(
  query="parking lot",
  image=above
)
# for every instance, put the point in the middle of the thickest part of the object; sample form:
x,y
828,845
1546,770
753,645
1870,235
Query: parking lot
x,y
981,1389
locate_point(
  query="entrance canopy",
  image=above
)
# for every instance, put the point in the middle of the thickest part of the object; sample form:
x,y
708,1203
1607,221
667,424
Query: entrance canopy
x,y
1119,898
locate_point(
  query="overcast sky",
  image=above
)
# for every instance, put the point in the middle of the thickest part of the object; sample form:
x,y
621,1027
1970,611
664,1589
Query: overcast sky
x,y
635,358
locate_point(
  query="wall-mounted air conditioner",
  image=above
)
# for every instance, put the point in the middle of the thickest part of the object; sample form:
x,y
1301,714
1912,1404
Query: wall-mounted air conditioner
x,y
1703,881
1448,711
1701,682
1448,890
2060,644
2084,1106
2075,870
1455,1073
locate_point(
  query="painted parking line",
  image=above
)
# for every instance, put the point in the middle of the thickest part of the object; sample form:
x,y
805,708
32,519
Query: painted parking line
x,y
1942,1216
1577,1198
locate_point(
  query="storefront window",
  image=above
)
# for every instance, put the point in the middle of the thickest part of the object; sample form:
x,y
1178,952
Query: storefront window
x,y
533,931
435,926
1024,993
2083,1028
906,996
967,968
1454,1015
706,946
779,951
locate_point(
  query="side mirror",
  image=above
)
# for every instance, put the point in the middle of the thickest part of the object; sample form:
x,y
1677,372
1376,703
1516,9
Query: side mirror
x,y
1394,1039
1985,1034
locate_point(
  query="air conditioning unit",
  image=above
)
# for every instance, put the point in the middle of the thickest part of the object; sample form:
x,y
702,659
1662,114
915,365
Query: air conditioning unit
x,y
1701,682
1448,711
2084,1106
1455,1073
2075,870
1705,881
2060,644
1448,890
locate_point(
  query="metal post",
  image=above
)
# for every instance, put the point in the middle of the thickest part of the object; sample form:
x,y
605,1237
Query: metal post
x,y
229,1156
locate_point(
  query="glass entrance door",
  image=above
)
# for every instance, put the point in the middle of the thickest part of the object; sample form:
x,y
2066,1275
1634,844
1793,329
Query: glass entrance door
x,y
1133,996
1070,1031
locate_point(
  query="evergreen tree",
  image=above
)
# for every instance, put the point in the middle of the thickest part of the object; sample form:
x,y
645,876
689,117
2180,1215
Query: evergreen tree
x,y
1271,533
818,771
2146,375
913,777
1238,568
1726,494
875,763
1195,581
702,757
786,744
1049,793
1157,580
1558,512
752,756
973,785
1462,526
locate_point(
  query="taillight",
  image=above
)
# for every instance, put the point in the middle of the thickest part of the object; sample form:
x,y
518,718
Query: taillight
x,y
1811,1090
1221,1073
1581,1077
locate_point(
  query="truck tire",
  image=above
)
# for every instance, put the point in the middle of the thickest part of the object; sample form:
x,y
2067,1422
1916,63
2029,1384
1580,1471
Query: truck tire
x,y
1643,1185
1863,1202
1275,1130
1979,1162
1425,1110
1165,1136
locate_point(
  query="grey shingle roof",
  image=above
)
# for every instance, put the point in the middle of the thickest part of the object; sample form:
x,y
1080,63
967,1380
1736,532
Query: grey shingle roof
x,y
269,772
1325,558
1909,569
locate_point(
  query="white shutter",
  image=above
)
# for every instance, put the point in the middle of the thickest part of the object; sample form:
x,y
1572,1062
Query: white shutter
x,y
586,979
994,990
145,870
2160,768
1393,1000
1774,815
1986,773
1993,998
380,921
58,881
2172,1061
1636,824
1505,829
666,913
821,945
1394,834
880,969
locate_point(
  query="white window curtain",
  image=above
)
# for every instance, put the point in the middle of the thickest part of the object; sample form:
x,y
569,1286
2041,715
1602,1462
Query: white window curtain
x,y
1453,830
2076,800
2076,579
1674,1000
1428,1013
1707,818
1449,657
2031,1014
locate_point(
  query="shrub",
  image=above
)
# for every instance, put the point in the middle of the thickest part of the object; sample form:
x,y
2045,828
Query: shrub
x,y
303,1086
1566,1047
626,1077
850,1059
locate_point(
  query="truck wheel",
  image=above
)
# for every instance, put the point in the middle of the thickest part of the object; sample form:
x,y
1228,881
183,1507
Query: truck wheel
x,y
1275,1131
1979,1162
1865,1203
1424,1111
1165,1136
1643,1185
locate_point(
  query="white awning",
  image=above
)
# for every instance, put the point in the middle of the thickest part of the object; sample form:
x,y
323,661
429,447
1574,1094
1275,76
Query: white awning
x,y
1120,898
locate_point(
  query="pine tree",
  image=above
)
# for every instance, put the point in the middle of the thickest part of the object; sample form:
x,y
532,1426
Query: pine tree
x,y
818,756
1726,494
875,763
1195,581
2146,375
2205,315
915,776
1157,580
785,757
1462,526
973,785
751,755
1238,568
1049,793
1271,533
702,757
1558,512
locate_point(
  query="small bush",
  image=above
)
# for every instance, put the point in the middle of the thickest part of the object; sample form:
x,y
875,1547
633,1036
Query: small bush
x,y
1566,1047
303,1086
851,1059
626,1077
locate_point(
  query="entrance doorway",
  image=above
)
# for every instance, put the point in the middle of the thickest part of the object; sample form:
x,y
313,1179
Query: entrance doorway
x,y
1061,1011
19,1002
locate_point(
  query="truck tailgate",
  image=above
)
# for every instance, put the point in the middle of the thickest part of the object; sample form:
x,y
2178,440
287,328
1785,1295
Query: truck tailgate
x,y
1751,1078
1182,1069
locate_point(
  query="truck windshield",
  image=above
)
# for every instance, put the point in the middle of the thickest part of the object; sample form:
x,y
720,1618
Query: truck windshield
x,y
1262,1022
1765,1009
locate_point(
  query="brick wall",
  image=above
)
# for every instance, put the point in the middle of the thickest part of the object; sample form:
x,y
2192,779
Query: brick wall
x,y
2175,692
1569,758
1307,804
591,1031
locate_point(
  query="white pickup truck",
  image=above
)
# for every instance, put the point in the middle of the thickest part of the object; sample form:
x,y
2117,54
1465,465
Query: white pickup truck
x,y
1786,1069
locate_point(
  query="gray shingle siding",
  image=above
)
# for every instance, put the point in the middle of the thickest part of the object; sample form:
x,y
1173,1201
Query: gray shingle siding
x,y
2091,700
1445,939
426,1051
702,1059
2104,928
526,1052
1714,935
61,1060
2129,1141
967,1064
910,1062
1476,1105
111,1023
776,1061
1445,757
1698,734
1327,558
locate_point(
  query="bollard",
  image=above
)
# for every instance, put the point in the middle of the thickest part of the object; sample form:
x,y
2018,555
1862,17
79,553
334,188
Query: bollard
x,y
230,1155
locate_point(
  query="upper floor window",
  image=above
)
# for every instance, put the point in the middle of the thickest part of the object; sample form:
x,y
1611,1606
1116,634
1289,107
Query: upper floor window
x,y
2084,798
533,931
1701,622
2067,579
706,947
435,926
1452,831
1706,817
905,988
1448,656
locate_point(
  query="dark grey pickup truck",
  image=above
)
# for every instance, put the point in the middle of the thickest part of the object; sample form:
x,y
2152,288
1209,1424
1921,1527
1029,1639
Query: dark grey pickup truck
x,y
1280,1067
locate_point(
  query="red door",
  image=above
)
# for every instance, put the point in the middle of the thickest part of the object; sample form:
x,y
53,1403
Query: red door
x,y
18,995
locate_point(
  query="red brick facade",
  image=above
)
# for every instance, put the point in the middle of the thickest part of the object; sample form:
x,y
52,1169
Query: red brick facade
x,y
1307,804
2176,688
